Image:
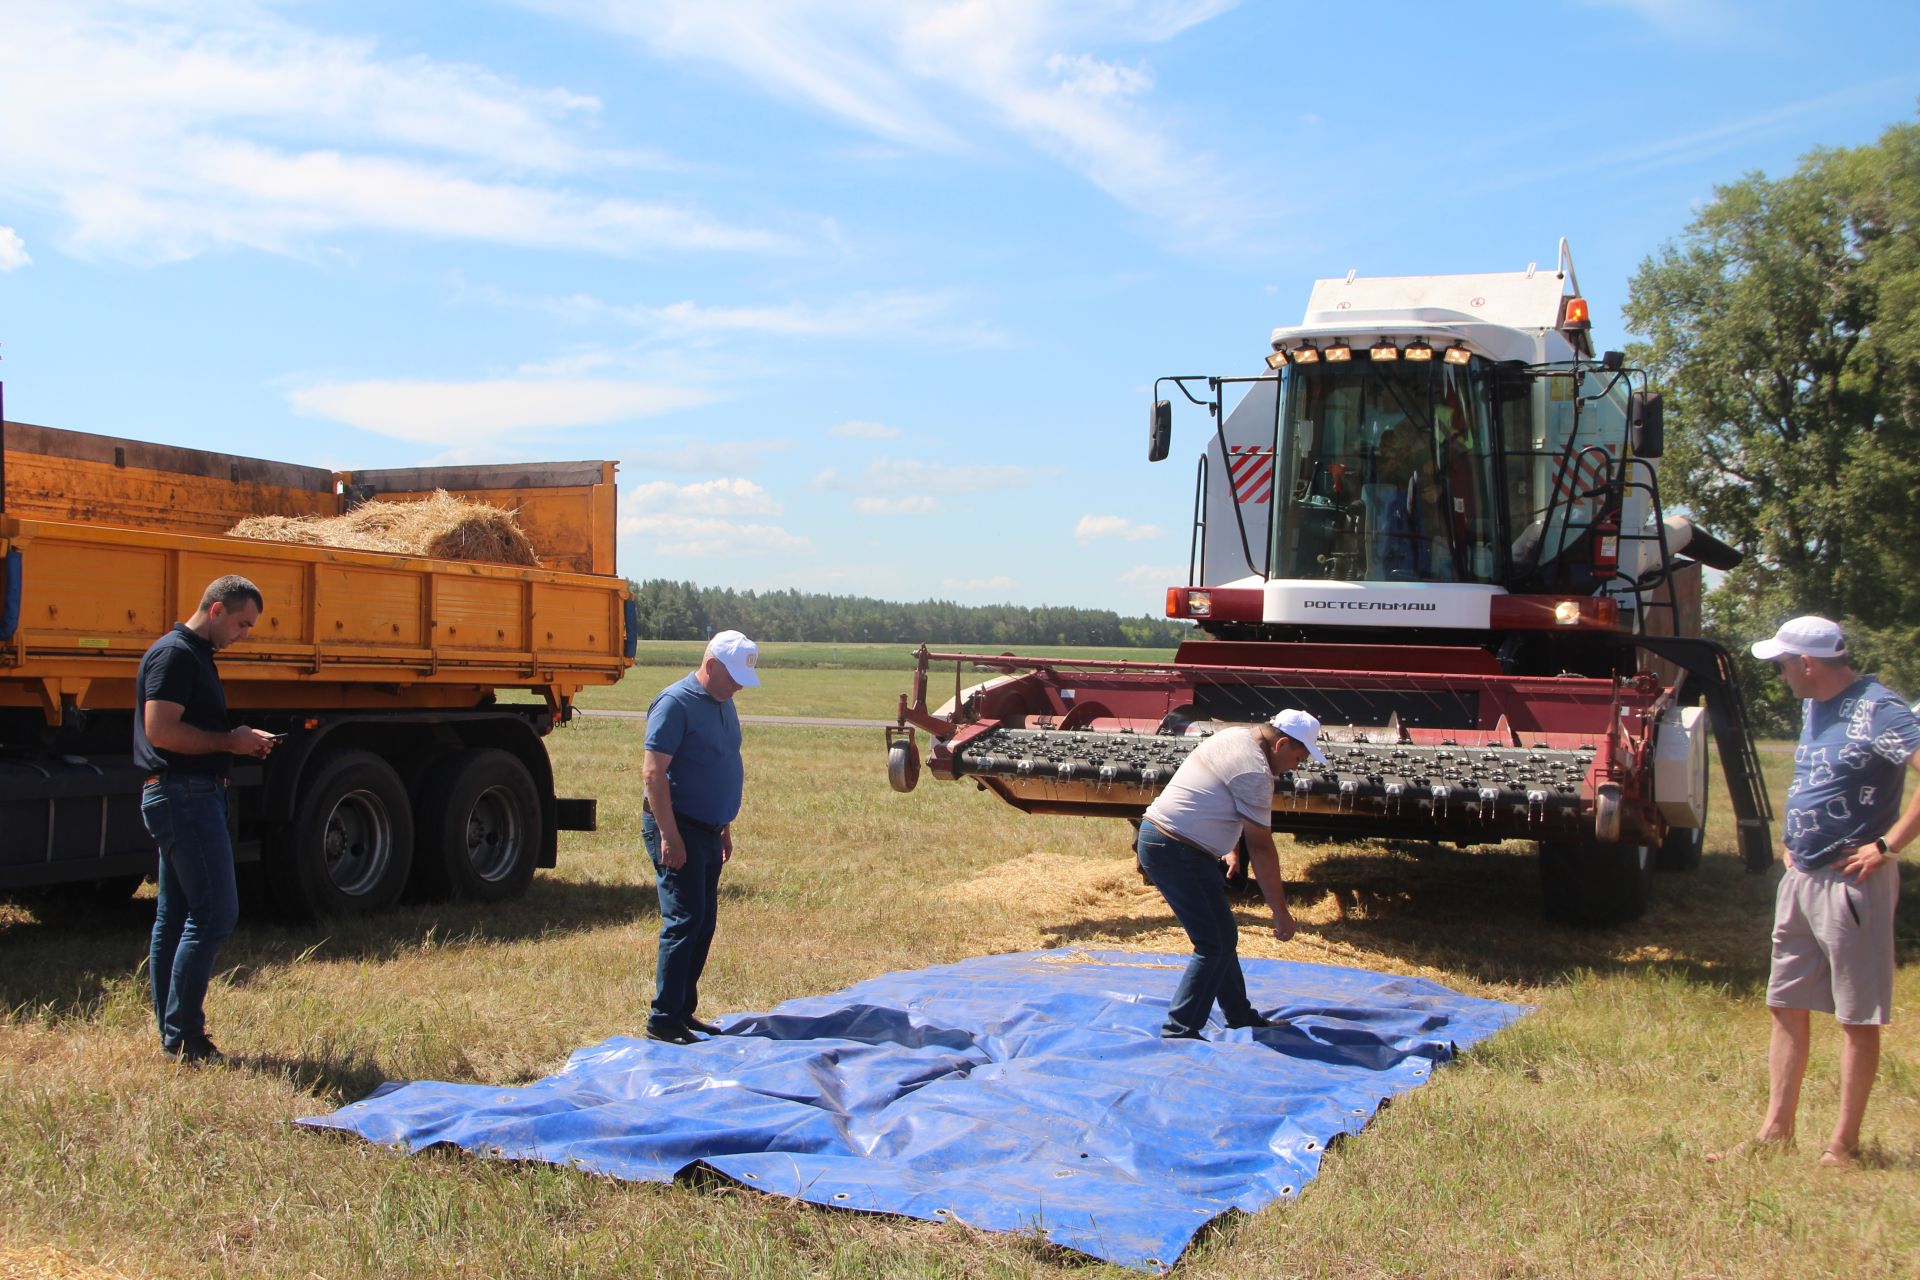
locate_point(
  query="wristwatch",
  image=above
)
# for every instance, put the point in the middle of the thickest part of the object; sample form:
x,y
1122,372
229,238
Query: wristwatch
x,y
1881,842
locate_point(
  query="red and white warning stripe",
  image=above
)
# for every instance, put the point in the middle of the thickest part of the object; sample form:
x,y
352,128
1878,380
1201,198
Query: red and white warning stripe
x,y
1252,470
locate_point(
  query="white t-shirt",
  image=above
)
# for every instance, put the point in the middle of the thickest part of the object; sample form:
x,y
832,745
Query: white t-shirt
x,y
1225,780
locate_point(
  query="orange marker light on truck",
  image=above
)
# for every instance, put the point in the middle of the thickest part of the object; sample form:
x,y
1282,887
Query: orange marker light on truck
x,y
1574,315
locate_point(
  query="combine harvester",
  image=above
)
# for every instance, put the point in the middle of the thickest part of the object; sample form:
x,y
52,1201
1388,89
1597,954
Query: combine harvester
x,y
1435,524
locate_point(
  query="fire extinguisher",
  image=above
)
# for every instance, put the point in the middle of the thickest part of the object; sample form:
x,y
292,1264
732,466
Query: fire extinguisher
x,y
1606,542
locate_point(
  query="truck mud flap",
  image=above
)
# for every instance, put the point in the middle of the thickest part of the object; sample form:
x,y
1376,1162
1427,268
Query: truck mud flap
x,y
573,814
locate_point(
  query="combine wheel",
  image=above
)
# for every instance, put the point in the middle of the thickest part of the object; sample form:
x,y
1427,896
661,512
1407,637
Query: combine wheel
x,y
350,844
903,764
1596,885
1680,851
479,828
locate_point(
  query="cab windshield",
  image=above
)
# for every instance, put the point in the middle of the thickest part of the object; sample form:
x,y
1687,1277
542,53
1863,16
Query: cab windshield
x,y
1387,474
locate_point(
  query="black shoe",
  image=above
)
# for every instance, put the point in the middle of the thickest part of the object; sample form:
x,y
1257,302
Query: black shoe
x,y
1181,1035
1255,1021
704,1028
197,1050
671,1035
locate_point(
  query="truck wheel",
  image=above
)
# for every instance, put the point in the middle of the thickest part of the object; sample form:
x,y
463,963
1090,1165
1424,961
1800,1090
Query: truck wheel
x,y
1595,885
349,847
479,828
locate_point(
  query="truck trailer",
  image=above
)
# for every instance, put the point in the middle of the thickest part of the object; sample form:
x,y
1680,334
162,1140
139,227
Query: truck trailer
x,y
1433,521
415,693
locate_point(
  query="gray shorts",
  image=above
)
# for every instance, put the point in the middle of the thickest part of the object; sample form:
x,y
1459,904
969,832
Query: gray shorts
x,y
1833,944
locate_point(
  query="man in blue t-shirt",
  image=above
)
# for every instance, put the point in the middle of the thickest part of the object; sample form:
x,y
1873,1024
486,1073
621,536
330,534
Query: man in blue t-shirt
x,y
694,780
1833,915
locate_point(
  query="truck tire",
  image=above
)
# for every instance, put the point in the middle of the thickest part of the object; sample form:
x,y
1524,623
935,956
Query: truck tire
x,y
1595,885
349,848
479,828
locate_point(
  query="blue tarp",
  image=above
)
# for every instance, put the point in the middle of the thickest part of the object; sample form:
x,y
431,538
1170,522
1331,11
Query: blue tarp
x,y
1026,1092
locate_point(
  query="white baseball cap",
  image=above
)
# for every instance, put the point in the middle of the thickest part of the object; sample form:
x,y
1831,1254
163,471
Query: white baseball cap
x,y
1303,729
1812,636
738,655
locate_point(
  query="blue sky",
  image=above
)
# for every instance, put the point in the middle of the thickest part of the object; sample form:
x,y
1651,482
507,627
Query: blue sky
x,y
865,296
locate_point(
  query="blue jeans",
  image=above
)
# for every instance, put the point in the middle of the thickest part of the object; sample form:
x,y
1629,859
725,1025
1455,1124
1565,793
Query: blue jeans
x,y
689,909
1190,880
199,905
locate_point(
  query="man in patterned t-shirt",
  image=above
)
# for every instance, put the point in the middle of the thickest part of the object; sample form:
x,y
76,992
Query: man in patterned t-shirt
x,y
1833,915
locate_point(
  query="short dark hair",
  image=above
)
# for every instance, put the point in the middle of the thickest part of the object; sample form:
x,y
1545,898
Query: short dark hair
x,y
230,591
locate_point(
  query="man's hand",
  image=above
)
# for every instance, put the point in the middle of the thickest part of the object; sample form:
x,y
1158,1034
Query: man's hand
x,y
1231,863
1283,926
1863,862
248,741
672,856
726,844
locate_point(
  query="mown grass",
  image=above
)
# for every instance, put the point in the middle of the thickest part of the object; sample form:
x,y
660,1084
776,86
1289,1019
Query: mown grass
x,y
1570,1145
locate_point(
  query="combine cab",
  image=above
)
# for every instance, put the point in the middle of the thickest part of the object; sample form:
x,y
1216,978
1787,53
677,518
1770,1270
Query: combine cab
x,y
1435,524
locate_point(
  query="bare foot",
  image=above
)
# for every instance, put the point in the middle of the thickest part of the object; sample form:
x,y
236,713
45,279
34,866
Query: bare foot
x,y
1835,1158
1752,1146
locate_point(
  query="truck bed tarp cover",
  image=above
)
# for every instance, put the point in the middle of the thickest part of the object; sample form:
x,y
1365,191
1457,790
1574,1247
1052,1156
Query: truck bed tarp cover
x,y
1009,1093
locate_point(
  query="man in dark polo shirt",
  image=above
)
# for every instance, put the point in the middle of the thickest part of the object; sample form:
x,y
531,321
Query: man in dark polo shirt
x,y
181,735
694,779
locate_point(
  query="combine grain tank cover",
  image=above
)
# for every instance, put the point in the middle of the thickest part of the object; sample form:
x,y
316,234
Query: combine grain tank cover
x,y
1009,1093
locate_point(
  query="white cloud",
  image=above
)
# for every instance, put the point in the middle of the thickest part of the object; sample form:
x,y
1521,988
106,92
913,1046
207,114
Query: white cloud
x,y
1717,20
914,505
163,130
1001,583
726,497
681,535
1154,575
1094,528
725,456
886,476
918,75
466,413
704,518
896,315
864,431
13,250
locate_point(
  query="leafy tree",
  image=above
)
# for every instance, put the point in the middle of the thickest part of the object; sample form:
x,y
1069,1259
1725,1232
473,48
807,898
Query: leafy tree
x,y
1784,328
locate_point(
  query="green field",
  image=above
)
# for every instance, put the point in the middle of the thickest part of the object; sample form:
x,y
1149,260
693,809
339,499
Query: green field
x,y
1570,1145
872,657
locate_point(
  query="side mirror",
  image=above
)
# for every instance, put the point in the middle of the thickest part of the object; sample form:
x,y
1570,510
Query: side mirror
x,y
1648,417
1160,433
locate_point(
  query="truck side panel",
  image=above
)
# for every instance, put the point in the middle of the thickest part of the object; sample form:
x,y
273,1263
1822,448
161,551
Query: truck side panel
x,y
91,479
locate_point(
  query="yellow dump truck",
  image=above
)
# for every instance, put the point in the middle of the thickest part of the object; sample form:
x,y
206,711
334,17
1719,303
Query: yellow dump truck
x,y
415,692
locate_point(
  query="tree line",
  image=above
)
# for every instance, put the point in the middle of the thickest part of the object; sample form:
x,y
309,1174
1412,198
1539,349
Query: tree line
x,y
685,611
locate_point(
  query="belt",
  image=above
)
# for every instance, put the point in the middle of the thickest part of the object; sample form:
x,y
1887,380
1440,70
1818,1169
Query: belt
x,y
1180,839
682,820
155,779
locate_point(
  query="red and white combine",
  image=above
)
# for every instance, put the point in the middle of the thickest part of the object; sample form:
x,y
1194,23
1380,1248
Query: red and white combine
x,y
1433,522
